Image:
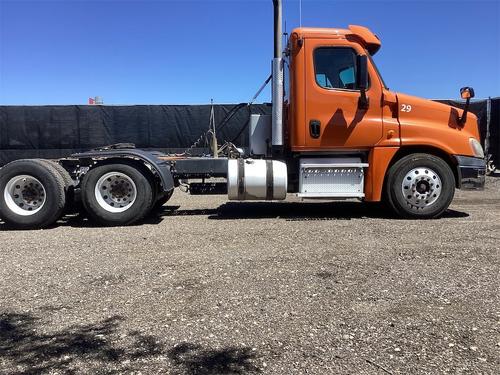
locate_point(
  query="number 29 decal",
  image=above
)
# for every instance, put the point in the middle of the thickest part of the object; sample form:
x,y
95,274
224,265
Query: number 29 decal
x,y
405,108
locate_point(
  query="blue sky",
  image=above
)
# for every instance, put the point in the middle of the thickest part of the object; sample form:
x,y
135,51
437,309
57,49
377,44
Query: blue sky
x,y
187,52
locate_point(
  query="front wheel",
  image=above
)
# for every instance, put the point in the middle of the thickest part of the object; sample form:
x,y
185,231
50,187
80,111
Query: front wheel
x,y
420,186
117,194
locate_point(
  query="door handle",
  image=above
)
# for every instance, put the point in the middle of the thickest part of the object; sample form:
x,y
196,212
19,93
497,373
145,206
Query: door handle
x,y
315,128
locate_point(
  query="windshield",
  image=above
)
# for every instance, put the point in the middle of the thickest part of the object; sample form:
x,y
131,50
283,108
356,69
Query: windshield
x,y
378,72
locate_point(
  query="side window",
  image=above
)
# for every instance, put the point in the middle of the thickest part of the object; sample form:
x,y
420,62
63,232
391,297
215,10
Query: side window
x,y
335,67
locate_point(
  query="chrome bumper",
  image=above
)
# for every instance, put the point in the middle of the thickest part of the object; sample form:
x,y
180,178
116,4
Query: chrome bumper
x,y
471,172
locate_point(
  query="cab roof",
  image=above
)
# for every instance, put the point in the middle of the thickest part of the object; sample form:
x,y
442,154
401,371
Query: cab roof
x,y
368,39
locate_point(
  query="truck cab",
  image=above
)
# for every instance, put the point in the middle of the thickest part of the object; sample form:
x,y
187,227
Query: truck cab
x,y
339,108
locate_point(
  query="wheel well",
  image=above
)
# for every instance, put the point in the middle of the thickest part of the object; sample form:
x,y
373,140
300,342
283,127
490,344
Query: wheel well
x,y
404,151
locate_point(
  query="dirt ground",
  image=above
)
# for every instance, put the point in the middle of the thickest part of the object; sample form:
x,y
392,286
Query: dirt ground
x,y
210,287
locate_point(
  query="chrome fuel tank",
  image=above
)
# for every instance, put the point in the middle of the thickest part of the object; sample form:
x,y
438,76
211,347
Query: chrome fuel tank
x,y
256,179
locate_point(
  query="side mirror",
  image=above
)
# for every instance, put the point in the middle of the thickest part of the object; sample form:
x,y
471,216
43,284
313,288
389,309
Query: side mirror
x,y
362,79
362,72
466,93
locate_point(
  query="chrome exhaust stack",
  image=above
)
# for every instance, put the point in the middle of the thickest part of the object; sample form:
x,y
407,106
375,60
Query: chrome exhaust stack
x,y
277,84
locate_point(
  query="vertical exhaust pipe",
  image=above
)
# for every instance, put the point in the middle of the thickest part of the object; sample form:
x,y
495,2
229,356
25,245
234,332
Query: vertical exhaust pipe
x,y
277,28
277,86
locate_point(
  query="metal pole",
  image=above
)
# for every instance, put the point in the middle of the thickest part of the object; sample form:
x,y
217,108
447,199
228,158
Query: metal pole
x,y
300,13
215,147
488,120
277,86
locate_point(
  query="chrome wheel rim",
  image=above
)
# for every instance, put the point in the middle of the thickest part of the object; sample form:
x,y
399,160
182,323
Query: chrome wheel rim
x,y
115,192
421,187
24,195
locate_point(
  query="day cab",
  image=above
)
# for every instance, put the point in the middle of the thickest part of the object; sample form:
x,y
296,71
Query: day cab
x,y
416,151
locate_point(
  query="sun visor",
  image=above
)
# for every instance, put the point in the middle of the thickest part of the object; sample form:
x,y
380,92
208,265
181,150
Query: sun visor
x,y
369,39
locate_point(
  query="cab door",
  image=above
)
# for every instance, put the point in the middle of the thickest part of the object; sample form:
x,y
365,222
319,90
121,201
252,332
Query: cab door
x,y
334,119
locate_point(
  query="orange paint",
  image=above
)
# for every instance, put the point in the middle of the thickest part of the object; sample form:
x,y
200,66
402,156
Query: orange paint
x,y
379,160
435,124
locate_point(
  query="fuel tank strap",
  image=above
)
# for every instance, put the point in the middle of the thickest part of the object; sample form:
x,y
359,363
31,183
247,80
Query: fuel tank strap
x,y
241,179
269,180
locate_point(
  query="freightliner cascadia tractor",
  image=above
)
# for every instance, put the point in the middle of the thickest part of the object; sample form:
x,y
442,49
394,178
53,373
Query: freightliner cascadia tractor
x,y
336,132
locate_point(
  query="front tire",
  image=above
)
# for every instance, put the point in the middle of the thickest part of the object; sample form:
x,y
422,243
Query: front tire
x,y
420,186
117,194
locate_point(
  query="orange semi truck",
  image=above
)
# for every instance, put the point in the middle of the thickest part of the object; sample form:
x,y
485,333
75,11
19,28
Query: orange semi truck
x,y
336,132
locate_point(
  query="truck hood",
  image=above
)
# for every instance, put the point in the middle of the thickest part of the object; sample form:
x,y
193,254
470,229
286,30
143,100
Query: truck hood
x,y
419,111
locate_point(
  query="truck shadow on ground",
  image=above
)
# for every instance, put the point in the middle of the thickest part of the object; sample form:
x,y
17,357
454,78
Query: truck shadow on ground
x,y
291,211
295,211
27,347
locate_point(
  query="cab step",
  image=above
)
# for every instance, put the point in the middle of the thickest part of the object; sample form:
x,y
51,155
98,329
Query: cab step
x,y
338,178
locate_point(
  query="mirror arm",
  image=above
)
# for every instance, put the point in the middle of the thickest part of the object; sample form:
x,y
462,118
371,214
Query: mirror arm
x,y
462,119
363,100
466,93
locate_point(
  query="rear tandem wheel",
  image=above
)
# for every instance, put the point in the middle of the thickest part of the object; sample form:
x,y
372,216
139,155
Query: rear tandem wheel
x,y
32,194
117,194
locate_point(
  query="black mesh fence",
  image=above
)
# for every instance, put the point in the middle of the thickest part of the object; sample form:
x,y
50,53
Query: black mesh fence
x,y
57,131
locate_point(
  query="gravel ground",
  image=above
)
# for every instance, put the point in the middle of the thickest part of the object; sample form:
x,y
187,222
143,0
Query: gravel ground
x,y
210,287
